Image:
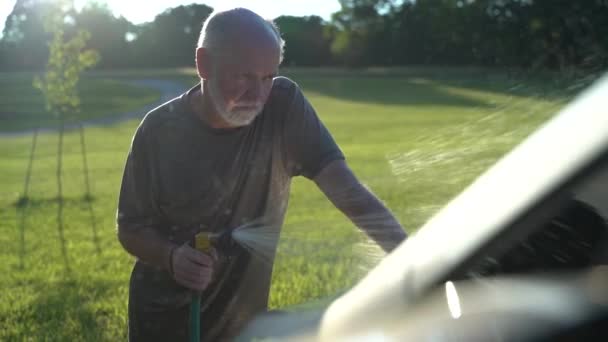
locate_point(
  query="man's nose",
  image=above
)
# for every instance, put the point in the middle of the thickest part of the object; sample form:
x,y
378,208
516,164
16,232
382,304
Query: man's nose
x,y
255,91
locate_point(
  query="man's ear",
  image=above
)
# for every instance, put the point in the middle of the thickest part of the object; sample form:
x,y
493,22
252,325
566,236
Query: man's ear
x,y
203,63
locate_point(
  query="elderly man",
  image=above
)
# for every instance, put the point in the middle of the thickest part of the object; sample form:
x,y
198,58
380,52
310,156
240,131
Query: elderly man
x,y
217,157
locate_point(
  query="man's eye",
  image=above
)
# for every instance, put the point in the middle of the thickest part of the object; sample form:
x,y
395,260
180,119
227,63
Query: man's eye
x,y
239,77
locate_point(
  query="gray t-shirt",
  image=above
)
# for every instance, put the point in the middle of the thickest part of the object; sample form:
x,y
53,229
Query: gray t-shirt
x,y
182,177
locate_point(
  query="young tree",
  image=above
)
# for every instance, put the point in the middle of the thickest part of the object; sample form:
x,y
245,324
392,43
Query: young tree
x,y
68,58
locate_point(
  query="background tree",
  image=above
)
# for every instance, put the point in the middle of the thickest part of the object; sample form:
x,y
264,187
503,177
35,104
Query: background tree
x,y
540,34
110,36
306,41
24,38
170,40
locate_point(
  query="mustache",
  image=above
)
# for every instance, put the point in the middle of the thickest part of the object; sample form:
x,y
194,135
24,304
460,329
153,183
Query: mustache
x,y
249,105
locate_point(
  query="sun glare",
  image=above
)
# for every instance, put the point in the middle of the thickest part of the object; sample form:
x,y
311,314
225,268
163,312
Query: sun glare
x,y
137,12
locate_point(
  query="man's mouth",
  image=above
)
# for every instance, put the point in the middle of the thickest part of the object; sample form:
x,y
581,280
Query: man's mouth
x,y
246,107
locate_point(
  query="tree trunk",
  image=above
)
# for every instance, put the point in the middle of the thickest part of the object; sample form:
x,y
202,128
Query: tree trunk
x,y
88,196
60,192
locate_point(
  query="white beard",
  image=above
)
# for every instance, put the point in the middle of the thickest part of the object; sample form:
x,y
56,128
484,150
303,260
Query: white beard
x,y
235,118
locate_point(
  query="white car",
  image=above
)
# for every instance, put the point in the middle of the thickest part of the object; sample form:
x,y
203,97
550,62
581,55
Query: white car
x,y
517,256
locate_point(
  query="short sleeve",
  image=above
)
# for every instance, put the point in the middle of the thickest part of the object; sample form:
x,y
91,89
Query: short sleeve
x,y
137,202
309,144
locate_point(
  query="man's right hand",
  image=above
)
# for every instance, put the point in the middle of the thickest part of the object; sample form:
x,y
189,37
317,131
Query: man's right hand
x,y
191,268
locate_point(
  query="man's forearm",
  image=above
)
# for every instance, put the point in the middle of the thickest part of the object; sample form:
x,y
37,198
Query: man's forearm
x,y
147,246
343,189
370,215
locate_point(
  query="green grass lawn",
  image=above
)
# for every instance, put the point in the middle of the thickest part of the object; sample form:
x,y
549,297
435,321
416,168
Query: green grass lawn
x,y
416,140
23,107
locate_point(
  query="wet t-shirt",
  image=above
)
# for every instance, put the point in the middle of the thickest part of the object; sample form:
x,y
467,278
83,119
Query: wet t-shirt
x,y
183,177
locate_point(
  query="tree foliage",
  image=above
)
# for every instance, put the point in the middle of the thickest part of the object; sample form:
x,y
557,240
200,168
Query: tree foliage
x,y
67,59
523,33
170,39
307,44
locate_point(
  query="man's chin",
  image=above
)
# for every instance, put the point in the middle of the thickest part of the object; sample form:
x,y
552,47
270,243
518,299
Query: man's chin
x,y
242,118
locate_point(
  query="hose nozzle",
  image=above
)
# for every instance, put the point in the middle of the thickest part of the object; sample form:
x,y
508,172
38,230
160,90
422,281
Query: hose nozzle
x,y
221,241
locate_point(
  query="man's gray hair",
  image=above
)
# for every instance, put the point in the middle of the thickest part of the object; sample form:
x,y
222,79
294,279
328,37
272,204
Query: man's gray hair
x,y
218,25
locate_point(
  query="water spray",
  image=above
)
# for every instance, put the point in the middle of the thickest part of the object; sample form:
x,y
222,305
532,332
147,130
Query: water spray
x,y
260,241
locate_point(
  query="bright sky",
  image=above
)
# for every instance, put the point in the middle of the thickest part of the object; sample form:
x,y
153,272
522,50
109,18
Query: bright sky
x,y
142,11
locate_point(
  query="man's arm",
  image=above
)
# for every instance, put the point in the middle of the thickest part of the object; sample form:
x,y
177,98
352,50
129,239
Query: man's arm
x,y
138,213
366,211
189,267
147,246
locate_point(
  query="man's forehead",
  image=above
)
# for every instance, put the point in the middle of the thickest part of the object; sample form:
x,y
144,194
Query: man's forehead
x,y
244,50
243,61
252,36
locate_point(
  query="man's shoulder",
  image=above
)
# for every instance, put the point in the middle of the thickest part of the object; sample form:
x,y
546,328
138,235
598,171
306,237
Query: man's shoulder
x,y
282,82
282,86
284,90
167,113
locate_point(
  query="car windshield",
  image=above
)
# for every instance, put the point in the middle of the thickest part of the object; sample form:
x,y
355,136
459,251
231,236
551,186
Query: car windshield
x,y
319,135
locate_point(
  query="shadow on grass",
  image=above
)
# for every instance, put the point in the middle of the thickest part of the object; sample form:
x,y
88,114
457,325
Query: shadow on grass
x,y
429,87
89,200
66,311
386,91
24,205
37,202
64,251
